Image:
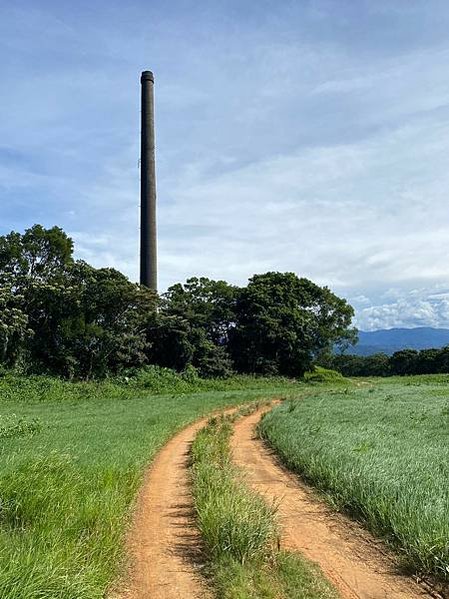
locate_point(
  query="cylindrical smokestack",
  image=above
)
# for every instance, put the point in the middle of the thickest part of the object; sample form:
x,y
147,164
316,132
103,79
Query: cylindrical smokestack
x,y
148,237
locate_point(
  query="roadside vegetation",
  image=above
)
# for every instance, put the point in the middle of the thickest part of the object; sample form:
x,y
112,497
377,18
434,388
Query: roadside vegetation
x,y
240,531
151,380
379,451
72,457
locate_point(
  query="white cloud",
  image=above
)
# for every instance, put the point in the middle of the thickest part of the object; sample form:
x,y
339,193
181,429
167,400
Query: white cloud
x,y
343,215
416,308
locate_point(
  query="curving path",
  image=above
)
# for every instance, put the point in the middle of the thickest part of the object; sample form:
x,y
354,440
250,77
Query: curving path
x,y
357,564
164,544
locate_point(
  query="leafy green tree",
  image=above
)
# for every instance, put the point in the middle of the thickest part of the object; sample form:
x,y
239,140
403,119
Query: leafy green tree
x,y
204,304
352,365
91,323
13,328
346,364
283,322
192,327
427,361
174,343
210,359
33,259
169,342
39,255
404,362
376,365
85,322
442,360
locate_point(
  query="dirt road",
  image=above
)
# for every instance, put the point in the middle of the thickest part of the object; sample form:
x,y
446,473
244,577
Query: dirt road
x,y
164,543
357,564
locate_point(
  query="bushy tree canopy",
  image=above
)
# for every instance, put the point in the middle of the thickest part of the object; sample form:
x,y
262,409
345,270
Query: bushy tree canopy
x,y
13,327
205,304
282,322
39,255
404,362
61,315
192,326
351,365
77,320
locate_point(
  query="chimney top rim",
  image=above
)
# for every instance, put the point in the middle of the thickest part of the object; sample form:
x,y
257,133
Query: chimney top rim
x,y
147,76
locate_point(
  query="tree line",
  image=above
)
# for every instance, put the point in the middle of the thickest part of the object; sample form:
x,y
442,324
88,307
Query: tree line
x,y
403,362
62,316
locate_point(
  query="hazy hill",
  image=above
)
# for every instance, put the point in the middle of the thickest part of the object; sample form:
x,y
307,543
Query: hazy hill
x,y
391,340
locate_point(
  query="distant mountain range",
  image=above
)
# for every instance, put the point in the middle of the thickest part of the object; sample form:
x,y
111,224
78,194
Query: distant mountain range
x,y
390,340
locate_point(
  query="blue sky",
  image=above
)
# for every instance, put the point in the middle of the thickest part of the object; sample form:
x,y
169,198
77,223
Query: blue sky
x,y
307,136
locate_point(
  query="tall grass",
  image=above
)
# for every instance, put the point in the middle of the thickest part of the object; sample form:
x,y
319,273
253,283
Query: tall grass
x,y
380,453
72,457
152,380
233,521
240,531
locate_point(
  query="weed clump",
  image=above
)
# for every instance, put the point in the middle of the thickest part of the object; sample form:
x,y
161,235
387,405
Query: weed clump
x,y
234,522
324,375
13,426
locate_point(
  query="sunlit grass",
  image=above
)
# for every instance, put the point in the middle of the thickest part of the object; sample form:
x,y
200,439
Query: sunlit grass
x,y
381,453
72,457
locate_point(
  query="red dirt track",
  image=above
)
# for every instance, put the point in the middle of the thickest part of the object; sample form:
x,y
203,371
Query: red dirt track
x,y
164,544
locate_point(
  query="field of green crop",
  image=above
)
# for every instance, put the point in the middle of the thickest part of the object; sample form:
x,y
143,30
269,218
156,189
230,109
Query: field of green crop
x,y
71,460
380,451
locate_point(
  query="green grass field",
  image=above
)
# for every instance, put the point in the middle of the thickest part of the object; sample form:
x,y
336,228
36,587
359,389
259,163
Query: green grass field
x,y
71,460
72,457
380,451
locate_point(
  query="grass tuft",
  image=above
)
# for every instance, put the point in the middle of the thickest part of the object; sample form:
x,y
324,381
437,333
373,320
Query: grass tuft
x,y
234,522
324,375
13,426
240,531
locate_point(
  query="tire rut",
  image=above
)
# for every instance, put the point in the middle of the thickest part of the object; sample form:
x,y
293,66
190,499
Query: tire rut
x,y
359,566
164,543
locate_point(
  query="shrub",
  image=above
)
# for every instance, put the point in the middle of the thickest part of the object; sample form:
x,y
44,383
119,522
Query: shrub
x,y
324,375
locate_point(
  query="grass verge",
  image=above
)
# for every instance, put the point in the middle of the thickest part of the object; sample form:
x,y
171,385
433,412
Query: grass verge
x,y
240,531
